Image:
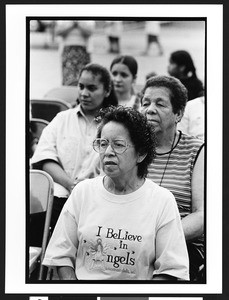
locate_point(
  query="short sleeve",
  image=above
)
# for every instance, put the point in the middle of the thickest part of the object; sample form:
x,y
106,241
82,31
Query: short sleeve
x,y
171,250
62,248
47,145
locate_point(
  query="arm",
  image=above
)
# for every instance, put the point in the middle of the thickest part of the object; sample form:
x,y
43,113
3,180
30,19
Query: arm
x,y
62,247
193,223
66,273
58,174
171,256
63,31
86,28
48,152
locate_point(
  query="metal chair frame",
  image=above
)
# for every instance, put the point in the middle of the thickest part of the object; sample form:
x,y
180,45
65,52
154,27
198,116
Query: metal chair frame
x,y
45,205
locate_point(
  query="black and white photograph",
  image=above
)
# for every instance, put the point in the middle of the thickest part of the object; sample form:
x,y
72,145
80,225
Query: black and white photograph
x,y
115,113
153,82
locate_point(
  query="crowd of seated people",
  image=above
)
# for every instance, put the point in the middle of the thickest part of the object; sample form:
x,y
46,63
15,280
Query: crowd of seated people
x,y
95,153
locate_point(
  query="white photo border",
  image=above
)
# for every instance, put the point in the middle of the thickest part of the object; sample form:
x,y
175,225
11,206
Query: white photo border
x,y
151,298
15,161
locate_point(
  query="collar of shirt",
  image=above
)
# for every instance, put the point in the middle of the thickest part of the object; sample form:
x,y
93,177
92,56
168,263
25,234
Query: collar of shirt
x,y
80,113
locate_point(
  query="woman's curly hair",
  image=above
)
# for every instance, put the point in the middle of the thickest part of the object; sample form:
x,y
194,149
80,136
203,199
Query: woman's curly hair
x,y
141,132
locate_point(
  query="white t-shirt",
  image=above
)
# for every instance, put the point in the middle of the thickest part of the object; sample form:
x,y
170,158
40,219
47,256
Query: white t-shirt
x,y
104,236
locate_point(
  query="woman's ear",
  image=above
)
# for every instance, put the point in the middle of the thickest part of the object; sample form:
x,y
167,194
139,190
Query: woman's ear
x,y
179,115
108,92
141,158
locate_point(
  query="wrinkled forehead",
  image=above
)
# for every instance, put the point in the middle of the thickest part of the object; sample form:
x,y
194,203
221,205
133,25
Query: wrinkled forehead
x,y
157,92
114,126
115,130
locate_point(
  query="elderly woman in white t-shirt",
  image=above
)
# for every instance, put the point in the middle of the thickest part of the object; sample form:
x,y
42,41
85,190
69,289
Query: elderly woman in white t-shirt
x,y
120,226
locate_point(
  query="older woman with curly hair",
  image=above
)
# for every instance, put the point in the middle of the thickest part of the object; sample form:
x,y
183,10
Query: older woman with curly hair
x,y
120,226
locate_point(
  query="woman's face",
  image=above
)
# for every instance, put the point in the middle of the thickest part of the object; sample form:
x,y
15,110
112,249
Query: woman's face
x,y
174,69
118,165
157,107
122,78
91,91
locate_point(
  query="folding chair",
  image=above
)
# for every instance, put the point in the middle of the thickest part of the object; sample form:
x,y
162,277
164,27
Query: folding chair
x,y
47,108
66,93
41,203
37,126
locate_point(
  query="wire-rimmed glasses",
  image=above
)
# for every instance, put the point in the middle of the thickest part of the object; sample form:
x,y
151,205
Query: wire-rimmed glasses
x,y
119,146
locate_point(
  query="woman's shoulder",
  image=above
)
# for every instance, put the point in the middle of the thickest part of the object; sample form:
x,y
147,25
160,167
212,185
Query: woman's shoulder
x,y
64,115
84,190
158,190
89,182
190,141
160,197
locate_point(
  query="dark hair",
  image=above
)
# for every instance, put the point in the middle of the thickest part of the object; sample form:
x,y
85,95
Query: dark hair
x,y
105,79
127,60
151,74
141,132
183,58
179,93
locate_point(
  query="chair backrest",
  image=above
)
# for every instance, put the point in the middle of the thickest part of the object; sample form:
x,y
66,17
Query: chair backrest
x,y
41,203
47,109
66,93
37,126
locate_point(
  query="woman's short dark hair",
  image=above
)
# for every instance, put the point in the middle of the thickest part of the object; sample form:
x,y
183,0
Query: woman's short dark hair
x,y
179,94
105,79
127,60
141,132
183,58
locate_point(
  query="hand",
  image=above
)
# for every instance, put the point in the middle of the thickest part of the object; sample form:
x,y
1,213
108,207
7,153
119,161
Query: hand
x,y
66,273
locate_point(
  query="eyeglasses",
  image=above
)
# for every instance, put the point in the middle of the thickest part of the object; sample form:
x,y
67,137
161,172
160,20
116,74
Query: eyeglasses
x,y
119,146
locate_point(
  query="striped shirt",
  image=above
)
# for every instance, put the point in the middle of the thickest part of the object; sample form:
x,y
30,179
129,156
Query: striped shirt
x,y
178,172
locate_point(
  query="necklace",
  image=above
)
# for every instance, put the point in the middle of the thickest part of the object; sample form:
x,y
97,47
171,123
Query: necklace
x,y
162,177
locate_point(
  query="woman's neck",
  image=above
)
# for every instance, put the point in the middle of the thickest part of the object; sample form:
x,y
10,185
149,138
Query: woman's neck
x,y
165,142
90,117
123,97
122,187
90,114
